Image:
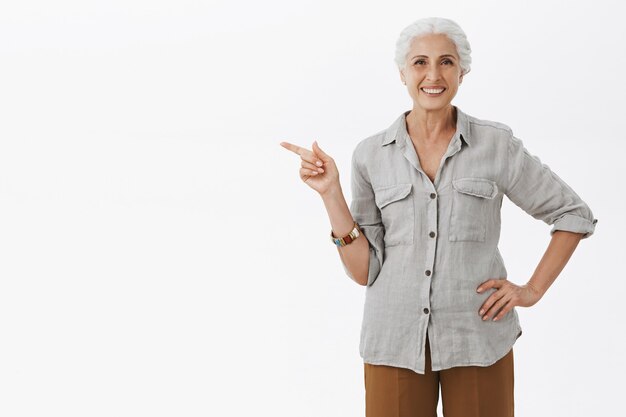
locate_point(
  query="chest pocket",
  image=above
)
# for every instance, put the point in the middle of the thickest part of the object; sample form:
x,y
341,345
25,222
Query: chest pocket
x,y
471,208
397,213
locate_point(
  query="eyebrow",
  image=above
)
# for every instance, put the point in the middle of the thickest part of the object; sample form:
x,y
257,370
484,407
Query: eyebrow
x,y
442,56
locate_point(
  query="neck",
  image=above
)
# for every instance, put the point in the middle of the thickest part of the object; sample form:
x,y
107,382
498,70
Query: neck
x,y
431,124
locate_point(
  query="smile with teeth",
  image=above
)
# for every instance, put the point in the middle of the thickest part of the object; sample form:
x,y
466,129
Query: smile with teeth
x,y
433,91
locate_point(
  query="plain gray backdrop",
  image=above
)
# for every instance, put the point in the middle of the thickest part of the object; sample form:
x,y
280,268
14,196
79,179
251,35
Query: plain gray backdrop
x,y
159,254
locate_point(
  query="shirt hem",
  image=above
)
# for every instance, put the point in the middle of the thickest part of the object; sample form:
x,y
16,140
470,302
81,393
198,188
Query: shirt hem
x,y
468,363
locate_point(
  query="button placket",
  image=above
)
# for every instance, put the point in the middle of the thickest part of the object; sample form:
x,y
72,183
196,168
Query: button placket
x,y
431,245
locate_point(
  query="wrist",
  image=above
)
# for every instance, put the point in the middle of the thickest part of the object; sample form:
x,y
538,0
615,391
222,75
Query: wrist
x,y
538,291
333,192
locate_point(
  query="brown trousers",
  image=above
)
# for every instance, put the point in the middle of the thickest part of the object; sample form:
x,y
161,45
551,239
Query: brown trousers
x,y
466,391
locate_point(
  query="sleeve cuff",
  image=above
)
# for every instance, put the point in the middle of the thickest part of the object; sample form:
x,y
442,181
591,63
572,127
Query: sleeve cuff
x,y
374,267
576,224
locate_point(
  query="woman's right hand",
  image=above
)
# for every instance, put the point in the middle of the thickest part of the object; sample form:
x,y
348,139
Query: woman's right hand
x,y
321,178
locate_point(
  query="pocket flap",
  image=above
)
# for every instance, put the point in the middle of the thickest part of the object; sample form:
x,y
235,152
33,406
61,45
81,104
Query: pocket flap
x,y
389,194
480,187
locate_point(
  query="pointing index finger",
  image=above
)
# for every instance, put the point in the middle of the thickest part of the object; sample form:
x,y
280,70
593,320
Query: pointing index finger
x,y
293,148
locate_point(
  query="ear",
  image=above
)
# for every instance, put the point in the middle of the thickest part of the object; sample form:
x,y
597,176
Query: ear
x,y
402,77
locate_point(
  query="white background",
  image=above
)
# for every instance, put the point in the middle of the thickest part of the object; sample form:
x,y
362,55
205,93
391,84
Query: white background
x,y
159,255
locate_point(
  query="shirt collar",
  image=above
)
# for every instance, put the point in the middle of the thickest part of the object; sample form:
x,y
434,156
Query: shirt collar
x,y
398,130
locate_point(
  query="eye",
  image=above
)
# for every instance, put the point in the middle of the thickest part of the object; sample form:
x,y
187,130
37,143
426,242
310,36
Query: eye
x,y
420,61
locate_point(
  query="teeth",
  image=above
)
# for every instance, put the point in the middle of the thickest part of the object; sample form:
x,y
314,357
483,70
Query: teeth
x,y
433,91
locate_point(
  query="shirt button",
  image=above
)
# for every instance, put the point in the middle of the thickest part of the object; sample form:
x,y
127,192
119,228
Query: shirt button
x,y
427,272
431,234
433,195
425,311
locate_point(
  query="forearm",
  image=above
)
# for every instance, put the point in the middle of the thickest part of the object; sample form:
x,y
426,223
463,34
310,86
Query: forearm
x,y
355,256
558,253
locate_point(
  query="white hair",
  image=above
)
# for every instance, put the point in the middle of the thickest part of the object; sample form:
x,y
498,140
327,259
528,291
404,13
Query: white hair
x,y
434,25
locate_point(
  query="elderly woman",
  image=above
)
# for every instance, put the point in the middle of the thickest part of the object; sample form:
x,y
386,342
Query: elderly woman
x,y
422,232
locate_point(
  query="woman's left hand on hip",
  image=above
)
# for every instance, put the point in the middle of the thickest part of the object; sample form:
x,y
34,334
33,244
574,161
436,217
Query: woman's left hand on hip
x,y
506,296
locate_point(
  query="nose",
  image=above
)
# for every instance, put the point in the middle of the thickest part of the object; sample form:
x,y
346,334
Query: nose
x,y
433,72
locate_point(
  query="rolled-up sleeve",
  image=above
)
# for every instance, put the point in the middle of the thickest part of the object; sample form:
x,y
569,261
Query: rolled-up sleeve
x,y
365,212
535,188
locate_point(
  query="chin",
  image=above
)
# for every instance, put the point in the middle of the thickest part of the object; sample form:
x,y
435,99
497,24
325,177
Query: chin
x,y
429,104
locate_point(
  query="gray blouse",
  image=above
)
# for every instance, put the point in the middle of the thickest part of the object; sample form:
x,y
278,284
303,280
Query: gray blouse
x,y
432,244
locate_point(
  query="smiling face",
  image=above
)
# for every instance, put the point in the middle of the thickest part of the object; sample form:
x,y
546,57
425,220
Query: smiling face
x,y
432,64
